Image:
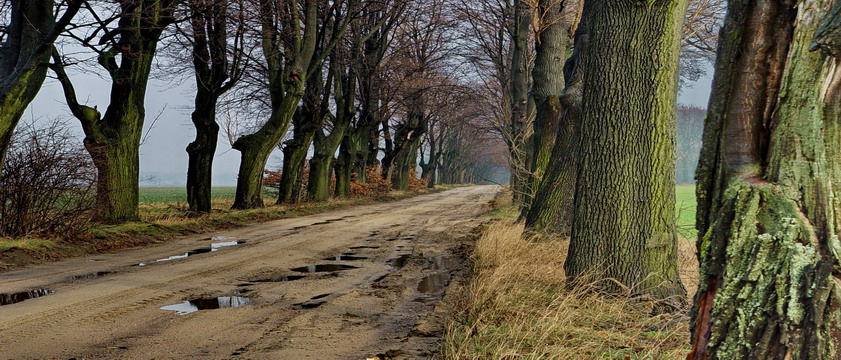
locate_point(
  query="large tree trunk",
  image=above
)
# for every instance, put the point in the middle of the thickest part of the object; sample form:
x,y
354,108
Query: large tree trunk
x,y
768,177
520,116
113,139
548,83
624,225
403,164
201,152
26,50
344,167
551,210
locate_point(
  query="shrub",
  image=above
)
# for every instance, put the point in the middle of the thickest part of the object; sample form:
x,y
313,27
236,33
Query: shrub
x,y
416,184
47,185
376,185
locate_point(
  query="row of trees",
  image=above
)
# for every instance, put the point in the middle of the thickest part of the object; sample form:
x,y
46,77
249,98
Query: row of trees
x,y
362,84
598,167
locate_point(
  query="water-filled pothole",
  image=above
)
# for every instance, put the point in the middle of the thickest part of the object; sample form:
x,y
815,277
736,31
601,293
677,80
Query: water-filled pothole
x,y
344,257
440,263
433,284
364,247
88,276
282,278
321,296
13,298
323,268
207,304
400,261
213,247
310,305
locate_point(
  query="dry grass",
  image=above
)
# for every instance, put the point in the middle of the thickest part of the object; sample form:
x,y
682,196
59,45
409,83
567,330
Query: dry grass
x,y
518,307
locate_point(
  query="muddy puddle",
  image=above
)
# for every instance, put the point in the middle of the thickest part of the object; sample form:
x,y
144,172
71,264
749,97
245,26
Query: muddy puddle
x,y
433,284
194,305
346,257
14,298
323,268
440,263
281,278
93,275
400,261
364,247
213,247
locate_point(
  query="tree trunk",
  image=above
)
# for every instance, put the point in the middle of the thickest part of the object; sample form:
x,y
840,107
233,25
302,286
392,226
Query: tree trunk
x,y
403,164
344,167
28,43
520,87
551,211
201,152
548,78
624,225
294,157
767,217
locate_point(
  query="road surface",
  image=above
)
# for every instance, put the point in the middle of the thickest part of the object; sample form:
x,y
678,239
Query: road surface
x,y
396,260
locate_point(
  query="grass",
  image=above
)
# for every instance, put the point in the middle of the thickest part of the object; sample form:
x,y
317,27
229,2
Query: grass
x,y
176,195
518,306
685,210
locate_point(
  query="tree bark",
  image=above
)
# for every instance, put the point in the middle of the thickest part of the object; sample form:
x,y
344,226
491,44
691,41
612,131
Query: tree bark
x,y
548,83
520,86
24,55
624,225
767,217
113,139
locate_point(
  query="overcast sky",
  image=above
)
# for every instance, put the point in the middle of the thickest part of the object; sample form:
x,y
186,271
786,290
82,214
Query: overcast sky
x,y
163,160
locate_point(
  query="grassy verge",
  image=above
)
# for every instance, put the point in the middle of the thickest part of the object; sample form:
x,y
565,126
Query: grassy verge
x,y
164,216
517,306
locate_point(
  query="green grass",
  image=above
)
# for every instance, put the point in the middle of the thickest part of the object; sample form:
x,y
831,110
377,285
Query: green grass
x,y
175,195
685,210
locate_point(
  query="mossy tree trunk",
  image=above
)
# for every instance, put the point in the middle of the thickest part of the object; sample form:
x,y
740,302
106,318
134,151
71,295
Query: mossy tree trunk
x,y
321,164
24,54
550,213
624,226
215,75
548,83
307,121
518,135
768,180
289,66
113,139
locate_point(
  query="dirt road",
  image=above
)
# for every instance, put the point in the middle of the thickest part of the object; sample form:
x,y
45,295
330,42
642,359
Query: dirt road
x,y
273,303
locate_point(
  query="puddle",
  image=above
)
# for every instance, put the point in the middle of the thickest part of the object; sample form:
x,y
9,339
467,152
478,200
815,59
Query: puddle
x,y
283,278
321,296
220,238
208,304
440,263
213,247
364,247
380,278
321,223
310,305
323,268
88,276
13,298
433,283
400,261
346,258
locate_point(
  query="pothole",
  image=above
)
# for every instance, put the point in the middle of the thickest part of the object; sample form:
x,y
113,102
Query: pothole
x,y
440,263
363,247
323,268
344,257
194,305
433,284
310,305
88,276
14,298
281,278
400,261
213,247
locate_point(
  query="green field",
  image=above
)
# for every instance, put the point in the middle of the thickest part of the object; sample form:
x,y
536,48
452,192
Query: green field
x,y
685,210
170,195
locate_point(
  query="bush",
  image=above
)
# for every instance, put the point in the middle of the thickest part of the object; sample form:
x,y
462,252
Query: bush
x,y
416,184
47,185
376,185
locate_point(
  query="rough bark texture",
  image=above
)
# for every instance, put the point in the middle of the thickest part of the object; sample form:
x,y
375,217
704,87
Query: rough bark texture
x,y
520,115
624,225
321,164
551,210
769,171
24,55
213,78
113,139
548,83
